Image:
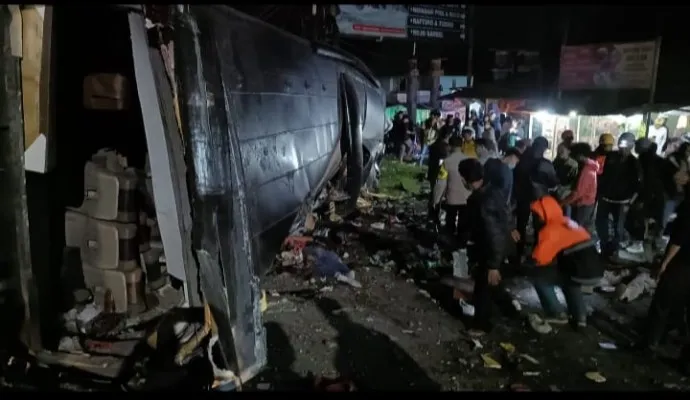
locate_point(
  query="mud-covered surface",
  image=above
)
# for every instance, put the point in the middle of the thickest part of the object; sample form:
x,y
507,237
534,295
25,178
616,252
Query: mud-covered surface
x,y
403,331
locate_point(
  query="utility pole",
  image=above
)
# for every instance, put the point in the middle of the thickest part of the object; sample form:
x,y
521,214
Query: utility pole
x,y
412,87
436,73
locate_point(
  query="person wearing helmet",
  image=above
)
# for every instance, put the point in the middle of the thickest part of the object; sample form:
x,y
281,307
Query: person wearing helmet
x,y
618,186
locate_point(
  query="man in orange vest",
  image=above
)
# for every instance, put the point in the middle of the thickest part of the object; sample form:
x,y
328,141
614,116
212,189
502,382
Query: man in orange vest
x,y
561,239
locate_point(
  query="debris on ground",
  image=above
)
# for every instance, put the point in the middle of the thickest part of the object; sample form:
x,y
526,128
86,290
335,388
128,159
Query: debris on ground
x,y
595,377
643,283
407,330
490,362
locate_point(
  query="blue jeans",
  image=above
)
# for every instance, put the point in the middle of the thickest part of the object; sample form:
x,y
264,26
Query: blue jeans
x,y
424,154
545,282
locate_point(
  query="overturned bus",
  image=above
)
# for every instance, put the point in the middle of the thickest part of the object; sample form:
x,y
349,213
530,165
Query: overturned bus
x,y
152,165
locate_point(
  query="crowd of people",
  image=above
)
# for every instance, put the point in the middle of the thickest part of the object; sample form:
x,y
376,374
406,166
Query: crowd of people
x,y
500,194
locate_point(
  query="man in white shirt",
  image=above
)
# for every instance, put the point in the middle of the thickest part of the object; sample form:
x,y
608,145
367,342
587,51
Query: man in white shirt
x,y
658,133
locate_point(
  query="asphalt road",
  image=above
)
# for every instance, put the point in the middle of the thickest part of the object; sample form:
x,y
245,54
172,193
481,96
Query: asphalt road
x,y
402,330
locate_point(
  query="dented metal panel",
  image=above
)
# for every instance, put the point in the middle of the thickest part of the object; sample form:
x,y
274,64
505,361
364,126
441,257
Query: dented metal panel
x,y
260,112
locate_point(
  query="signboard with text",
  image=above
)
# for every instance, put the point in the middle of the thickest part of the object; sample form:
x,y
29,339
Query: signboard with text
x,y
414,21
607,66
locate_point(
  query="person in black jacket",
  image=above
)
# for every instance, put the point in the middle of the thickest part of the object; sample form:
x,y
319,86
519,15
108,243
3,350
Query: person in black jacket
x,y
652,192
618,187
490,230
672,293
534,176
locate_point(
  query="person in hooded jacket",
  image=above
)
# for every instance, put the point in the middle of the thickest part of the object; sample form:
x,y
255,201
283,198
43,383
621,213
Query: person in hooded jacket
x,y
618,187
534,176
490,230
583,197
561,240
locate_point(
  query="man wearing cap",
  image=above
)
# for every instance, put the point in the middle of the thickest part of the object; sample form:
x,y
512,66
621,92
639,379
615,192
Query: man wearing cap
x,y
618,187
491,231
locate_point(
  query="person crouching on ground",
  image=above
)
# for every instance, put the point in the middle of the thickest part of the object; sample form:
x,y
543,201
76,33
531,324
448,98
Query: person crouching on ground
x,y
583,198
490,231
449,184
561,240
438,151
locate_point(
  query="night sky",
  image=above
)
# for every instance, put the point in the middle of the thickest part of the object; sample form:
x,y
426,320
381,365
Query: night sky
x,y
531,28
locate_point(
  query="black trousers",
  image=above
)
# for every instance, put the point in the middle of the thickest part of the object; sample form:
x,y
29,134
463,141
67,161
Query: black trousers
x,y
610,243
457,223
584,216
485,297
671,298
522,213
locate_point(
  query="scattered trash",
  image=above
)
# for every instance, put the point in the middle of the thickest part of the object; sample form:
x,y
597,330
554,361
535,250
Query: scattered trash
x,y
424,293
310,222
467,308
643,283
332,215
460,265
608,346
529,358
476,343
516,304
290,258
508,347
490,362
519,387
538,324
531,373
378,225
263,386
607,289
595,377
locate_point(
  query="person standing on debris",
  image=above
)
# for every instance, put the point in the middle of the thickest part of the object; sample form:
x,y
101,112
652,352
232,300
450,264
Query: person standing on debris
x,y
673,288
652,193
430,133
469,148
618,186
583,197
534,177
450,186
437,153
560,239
490,230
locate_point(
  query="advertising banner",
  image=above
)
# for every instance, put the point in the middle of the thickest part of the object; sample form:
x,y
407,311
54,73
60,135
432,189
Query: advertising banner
x,y
414,21
607,66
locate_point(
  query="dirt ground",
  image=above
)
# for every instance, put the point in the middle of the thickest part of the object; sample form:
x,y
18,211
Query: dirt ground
x,y
403,331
